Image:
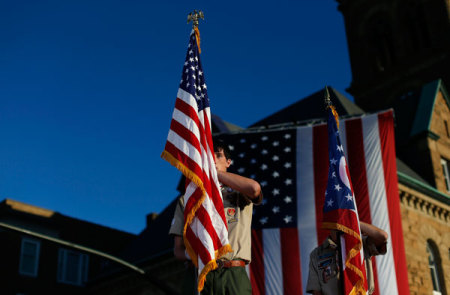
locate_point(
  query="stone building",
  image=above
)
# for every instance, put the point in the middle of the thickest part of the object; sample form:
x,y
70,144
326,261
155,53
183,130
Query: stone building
x,y
399,53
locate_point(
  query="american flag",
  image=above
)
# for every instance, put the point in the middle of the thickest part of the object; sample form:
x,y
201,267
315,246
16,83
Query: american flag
x,y
189,147
340,213
292,165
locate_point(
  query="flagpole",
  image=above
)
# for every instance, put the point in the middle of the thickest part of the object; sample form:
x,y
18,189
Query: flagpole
x,y
194,16
339,263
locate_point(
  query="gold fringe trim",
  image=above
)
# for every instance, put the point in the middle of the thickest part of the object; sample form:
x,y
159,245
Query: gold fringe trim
x,y
353,252
211,265
358,289
197,37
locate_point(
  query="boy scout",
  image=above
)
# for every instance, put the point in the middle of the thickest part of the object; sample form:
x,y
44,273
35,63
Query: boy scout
x,y
323,278
239,194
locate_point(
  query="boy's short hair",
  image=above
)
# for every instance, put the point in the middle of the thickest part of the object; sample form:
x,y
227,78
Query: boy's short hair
x,y
219,145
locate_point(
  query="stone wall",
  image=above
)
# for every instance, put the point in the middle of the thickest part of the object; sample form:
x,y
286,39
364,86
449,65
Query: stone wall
x,y
423,219
440,148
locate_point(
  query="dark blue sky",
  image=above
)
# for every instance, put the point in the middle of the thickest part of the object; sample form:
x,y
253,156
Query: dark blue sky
x,y
87,90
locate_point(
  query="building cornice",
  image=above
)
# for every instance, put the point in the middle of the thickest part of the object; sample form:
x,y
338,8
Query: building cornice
x,y
423,198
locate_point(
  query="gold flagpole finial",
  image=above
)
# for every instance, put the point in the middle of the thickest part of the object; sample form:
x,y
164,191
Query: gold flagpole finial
x,y
194,17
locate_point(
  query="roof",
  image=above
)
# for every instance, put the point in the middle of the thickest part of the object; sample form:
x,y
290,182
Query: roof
x,y
221,126
426,103
312,107
54,224
154,240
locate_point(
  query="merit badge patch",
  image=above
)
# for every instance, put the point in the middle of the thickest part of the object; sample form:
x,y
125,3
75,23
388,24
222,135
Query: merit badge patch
x,y
231,215
231,212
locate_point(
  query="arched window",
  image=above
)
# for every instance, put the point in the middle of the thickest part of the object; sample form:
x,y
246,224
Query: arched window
x,y
434,263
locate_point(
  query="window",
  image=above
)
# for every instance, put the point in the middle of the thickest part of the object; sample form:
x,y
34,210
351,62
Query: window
x,y
446,173
434,263
446,129
72,267
29,257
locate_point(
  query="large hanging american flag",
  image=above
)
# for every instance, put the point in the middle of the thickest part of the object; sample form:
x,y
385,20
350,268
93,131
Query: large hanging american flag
x,y
291,166
340,213
189,147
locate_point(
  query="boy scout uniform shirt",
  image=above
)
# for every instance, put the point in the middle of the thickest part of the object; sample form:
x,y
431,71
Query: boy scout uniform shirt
x,y
324,271
238,213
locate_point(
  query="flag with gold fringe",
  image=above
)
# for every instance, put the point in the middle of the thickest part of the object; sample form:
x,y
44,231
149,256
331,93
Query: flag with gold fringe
x,y
189,148
340,212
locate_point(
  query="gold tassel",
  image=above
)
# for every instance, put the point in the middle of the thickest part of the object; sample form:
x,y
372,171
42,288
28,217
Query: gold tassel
x,y
197,36
335,114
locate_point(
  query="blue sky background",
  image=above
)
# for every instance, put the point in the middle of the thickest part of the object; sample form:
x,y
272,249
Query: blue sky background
x,y
87,90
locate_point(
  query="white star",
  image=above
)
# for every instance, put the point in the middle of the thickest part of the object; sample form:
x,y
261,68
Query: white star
x,y
333,174
326,193
231,147
333,161
187,84
263,183
287,199
252,176
254,145
287,149
253,161
287,165
264,220
330,203
287,136
275,143
337,187
275,192
191,52
275,158
340,148
264,138
186,63
241,170
288,181
264,152
200,73
263,167
241,155
287,219
204,86
264,201
186,71
242,140
275,174
349,197
196,58
276,209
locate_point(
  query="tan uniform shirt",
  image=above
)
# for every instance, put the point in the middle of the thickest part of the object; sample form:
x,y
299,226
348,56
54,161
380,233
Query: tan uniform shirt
x,y
324,272
238,213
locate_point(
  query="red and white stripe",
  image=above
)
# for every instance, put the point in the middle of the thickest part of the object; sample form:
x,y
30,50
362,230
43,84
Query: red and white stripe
x,y
189,145
280,262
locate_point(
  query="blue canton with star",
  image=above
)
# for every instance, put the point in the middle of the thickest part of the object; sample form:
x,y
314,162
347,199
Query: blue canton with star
x,y
269,158
337,194
192,78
